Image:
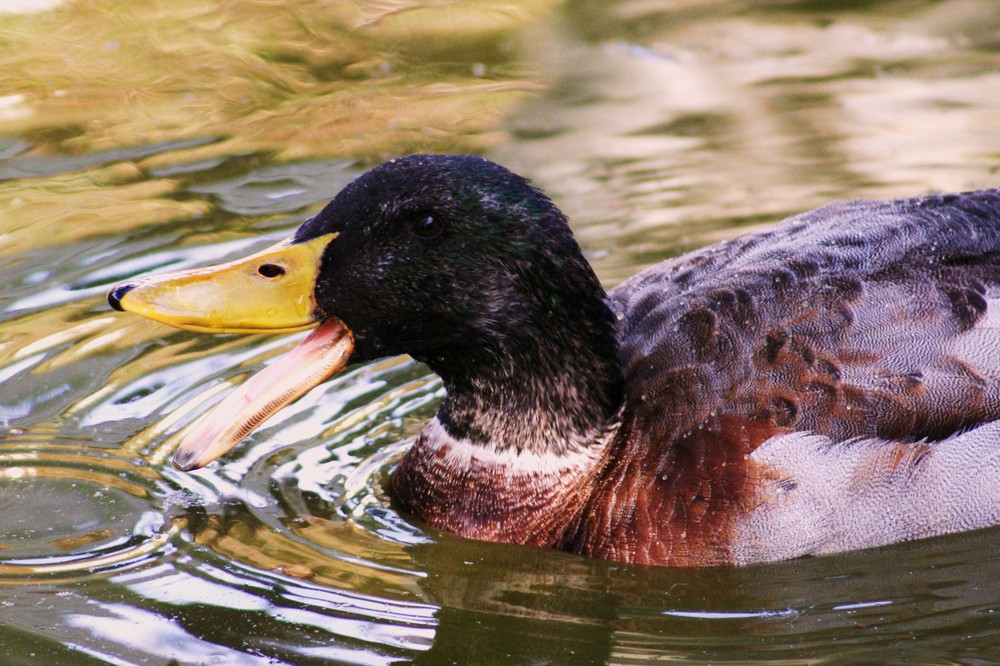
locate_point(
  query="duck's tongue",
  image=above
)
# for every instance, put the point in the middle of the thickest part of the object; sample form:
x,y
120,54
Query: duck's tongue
x,y
319,356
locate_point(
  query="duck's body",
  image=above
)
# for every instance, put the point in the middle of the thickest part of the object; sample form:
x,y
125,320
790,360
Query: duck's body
x,y
799,391
830,384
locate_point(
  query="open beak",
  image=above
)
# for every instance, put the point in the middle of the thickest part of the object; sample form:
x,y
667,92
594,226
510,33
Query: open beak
x,y
268,292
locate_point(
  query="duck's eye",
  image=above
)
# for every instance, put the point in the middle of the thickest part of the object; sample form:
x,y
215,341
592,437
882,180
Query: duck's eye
x,y
270,271
427,226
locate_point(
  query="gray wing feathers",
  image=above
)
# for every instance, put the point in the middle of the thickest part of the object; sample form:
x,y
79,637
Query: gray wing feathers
x,y
859,319
828,497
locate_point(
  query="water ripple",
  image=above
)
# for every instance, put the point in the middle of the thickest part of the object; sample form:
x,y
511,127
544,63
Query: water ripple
x,y
90,511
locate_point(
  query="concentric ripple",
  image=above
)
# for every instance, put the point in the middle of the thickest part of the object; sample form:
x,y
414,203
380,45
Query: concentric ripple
x,y
70,509
305,496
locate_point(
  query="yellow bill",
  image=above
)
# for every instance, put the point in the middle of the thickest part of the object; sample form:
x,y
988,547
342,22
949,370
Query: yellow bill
x,y
268,292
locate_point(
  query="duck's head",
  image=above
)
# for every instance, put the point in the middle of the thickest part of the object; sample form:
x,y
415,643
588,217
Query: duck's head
x,y
451,259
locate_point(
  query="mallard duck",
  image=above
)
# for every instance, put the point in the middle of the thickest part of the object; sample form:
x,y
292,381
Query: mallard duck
x,y
831,383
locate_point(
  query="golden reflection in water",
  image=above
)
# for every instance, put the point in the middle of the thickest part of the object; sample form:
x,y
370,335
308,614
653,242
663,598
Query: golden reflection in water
x,y
330,553
46,211
298,79
353,79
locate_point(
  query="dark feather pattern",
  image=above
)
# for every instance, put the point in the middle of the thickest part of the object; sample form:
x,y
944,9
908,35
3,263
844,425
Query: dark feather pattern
x,y
847,321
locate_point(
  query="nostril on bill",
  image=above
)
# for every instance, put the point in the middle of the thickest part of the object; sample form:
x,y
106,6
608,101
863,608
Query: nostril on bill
x,y
115,295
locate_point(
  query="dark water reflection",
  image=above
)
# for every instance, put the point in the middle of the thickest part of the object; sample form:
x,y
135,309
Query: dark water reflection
x,y
658,127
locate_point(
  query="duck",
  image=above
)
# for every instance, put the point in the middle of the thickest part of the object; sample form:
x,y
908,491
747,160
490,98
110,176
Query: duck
x,y
831,383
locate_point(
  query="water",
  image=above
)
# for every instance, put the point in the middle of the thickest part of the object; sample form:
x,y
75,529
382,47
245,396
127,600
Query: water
x,y
145,137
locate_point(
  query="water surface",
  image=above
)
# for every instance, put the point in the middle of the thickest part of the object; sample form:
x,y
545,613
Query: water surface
x,y
156,136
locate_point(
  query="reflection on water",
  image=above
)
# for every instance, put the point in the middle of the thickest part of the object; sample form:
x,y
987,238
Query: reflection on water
x,y
141,138
667,127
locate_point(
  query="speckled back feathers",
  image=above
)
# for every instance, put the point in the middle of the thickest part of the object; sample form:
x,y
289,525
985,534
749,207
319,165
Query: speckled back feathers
x,y
857,319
